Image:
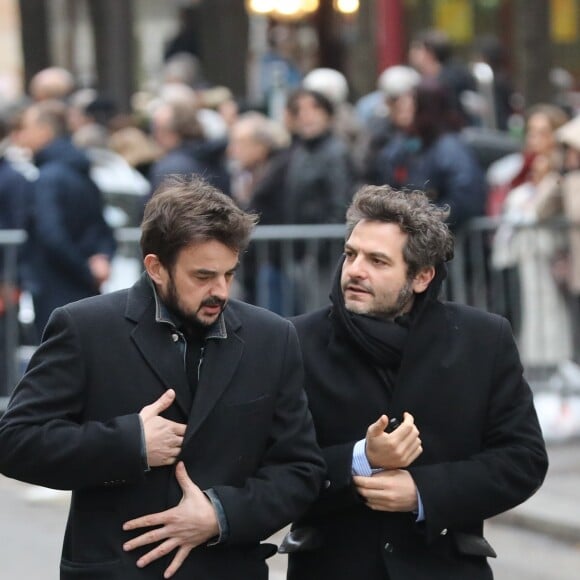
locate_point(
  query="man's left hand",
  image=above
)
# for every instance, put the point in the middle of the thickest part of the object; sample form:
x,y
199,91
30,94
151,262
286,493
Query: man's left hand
x,y
189,524
389,491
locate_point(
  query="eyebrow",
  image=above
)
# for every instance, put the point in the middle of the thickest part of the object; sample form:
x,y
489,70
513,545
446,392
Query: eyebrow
x,y
205,272
379,255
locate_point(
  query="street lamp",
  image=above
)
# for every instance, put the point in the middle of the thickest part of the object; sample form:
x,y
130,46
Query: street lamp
x,y
346,6
283,9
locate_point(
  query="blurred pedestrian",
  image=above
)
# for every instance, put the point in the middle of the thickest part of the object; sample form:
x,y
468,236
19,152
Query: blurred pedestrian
x,y
429,154
140,399
431,54
52,83
258,150
424,418
15,203
520,244
186,150
70,245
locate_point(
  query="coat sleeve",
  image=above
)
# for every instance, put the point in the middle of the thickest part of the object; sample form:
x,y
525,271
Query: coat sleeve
x,y
43,437
511,464
291,471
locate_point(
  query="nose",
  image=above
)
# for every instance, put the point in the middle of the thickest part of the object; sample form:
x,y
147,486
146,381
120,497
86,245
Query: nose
x,y
355,268
221,287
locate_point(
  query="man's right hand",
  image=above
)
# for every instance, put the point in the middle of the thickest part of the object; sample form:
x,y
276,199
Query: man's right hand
x,y
394,450
163,438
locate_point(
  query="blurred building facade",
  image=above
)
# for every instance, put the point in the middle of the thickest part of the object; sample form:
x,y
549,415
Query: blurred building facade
x,y
119,45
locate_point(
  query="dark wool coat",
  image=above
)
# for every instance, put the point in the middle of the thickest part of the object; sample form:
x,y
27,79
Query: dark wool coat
x,y
461,379
72,423
67,229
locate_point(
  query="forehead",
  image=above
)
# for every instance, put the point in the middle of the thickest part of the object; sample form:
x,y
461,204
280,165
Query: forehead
x,y
378,237
208,255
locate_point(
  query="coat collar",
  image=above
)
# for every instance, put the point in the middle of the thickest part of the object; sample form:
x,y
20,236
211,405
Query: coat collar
x,y
153,336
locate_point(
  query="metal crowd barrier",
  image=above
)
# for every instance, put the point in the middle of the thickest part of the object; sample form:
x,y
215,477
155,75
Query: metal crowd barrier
x,y
289,270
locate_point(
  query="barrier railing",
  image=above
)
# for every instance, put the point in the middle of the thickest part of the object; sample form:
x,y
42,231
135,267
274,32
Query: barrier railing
x,y
289,268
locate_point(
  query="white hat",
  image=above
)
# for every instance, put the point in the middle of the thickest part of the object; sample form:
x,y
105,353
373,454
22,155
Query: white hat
x,y
398,80
569,133
329,82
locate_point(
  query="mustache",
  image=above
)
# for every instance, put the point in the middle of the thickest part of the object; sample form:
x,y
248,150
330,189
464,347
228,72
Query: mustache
x,y
214,301
357,285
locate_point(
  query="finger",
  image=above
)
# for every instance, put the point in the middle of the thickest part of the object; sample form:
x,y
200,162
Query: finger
x,y
158,519
162,550
363,482
147,538
177,561
162,403
186,484
178,428
378,427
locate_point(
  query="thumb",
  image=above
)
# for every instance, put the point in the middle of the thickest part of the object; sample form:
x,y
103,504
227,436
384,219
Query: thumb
x,y
375,429
162,403
183,479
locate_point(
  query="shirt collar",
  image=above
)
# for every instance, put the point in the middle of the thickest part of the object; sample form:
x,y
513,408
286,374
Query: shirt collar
x,y
164,316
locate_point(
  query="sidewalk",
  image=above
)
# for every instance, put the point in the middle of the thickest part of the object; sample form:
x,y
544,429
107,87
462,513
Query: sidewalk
x,y
555,509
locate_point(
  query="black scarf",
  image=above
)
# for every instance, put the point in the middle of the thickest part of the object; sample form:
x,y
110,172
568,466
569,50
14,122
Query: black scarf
x,y
382,341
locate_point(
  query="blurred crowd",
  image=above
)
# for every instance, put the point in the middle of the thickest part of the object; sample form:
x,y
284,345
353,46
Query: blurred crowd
x,y
73,168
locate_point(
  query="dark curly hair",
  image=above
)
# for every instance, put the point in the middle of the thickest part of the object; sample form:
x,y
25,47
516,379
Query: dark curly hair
x,y
430,241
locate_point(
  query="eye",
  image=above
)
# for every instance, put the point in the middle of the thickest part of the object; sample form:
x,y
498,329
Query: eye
x,y
349,254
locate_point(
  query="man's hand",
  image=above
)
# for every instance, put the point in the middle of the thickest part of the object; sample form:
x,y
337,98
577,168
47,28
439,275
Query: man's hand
x,y
388,491
163,438
393,450
100,268
191,523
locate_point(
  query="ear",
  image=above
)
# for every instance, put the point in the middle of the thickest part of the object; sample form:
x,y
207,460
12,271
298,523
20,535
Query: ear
x,y
422,280
155,268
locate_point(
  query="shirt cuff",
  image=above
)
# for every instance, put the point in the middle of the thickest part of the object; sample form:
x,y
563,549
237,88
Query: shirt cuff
x,y
144,461
420,511
221,517
360,463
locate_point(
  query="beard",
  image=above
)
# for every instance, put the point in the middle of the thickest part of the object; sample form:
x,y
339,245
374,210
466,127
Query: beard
x,y
189,318
384,308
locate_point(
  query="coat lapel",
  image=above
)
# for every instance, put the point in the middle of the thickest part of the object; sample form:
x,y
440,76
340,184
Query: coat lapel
x,y
425,357
154,341
220,360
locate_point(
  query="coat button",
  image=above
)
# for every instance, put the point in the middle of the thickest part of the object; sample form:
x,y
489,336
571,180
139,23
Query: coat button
x,y
389,548
326,483
175,337
444,532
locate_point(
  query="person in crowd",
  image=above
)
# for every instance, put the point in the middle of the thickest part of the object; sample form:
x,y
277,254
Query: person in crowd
x,y
15,203
320,178
334,86
136,147
431,54
430,154
489,50
396,85
425,421
545,336
258,150
52,83
70,246
177,130
319,183
145,403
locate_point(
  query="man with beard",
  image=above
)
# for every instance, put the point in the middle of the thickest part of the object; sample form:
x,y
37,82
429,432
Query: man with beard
x,y
176,417
407,499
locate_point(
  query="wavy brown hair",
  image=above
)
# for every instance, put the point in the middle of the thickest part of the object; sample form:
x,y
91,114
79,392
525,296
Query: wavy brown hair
x,y
430,241
188,210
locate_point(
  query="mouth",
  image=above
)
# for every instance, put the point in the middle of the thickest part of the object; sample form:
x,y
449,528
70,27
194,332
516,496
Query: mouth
x,y
212,309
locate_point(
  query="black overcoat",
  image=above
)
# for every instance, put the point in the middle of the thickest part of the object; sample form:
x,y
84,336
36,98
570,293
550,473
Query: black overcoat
x,y
72,423
461,378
